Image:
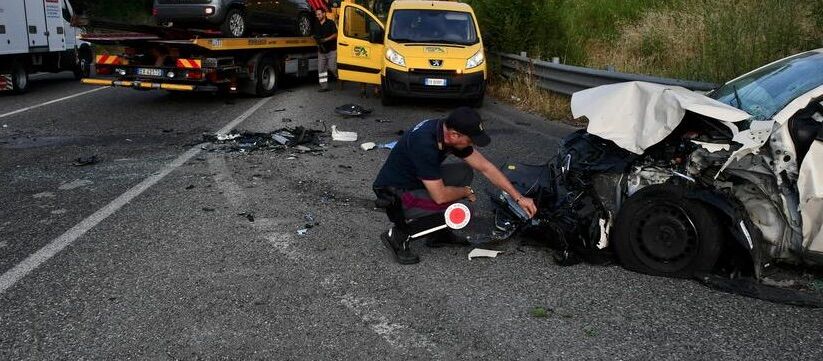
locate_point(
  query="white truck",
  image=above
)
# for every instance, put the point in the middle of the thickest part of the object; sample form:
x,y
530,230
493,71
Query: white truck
x,y
37,36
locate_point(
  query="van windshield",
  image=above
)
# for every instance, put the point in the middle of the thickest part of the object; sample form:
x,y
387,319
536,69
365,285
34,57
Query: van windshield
x,y
433,26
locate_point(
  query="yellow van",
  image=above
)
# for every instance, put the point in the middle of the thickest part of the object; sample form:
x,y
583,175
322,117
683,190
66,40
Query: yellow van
x,y
426,49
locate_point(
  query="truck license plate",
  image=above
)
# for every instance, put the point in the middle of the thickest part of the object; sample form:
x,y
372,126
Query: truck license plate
x,y
149,72
435,82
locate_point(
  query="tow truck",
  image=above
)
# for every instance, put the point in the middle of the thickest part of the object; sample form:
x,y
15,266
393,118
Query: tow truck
x,y
154,57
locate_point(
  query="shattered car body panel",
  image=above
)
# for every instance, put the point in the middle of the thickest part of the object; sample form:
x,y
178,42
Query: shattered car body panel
x,y
811,196
662,174
648,112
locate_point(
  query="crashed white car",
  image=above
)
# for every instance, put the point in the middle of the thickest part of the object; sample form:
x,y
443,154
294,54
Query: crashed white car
x,y
677,183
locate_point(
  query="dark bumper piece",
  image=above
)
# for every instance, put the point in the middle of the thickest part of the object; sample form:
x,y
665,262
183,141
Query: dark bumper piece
x,y
413,84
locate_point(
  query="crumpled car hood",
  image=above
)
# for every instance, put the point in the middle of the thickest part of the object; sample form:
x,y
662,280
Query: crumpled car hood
x,y
637,115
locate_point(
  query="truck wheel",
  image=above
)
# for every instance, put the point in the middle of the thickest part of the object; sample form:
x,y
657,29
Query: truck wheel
x,y
660,232
304,25
267,77
234,25
83,68
19,78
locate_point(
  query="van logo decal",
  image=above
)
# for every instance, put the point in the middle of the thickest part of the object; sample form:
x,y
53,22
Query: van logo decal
x,y
436,63
361,52
432,49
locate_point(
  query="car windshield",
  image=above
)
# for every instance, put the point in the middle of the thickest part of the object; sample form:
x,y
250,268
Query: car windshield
x,y
766,91
433,26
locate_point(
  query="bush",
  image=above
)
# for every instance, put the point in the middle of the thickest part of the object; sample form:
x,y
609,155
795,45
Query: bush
x,y
712,40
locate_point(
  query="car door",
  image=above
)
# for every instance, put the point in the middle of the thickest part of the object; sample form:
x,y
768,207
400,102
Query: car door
x,y
256,11
288,11
358,58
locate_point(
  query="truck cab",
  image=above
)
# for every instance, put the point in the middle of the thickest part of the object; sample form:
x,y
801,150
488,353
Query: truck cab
x,y
425,49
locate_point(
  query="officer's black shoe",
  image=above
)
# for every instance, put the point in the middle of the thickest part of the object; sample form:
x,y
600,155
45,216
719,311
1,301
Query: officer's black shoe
x,y
445,238
398,242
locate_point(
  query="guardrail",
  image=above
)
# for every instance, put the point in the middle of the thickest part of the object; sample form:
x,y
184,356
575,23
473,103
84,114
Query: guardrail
x,y
567,79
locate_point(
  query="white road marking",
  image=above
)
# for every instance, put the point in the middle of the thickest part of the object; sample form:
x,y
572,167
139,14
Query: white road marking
x,y
14,275
18,111
231,190
398,335
77,183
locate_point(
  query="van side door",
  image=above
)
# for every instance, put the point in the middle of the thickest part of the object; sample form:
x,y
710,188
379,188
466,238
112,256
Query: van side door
x,y
359,45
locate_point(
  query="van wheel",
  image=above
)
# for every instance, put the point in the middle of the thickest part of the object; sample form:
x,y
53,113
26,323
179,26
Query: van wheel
x,y
386,97
267,77
234,25
304,25
660,232
19,78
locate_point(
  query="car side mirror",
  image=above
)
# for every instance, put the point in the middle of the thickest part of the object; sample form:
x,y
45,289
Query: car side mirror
x,y
376,36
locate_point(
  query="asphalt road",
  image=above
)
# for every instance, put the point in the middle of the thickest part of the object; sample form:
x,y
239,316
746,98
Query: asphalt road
x,y
159,263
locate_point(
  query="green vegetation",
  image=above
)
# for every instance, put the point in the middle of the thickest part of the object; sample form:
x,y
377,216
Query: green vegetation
x,y
540,312
712,40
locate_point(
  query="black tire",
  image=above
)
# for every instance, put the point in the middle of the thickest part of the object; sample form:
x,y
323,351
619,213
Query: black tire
x,y
235,24
267,75
660,232
386,97
19,78
304,25
84,60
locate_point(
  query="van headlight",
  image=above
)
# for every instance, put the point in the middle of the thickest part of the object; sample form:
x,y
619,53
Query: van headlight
x,y
475,60
395,57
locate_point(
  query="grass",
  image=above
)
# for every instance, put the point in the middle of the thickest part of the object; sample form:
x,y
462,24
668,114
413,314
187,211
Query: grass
x,y
524,93
707,40
712,40
540,312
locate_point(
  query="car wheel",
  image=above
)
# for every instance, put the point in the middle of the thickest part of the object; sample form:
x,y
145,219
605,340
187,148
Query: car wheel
x,y
267,77
234,26
304,25
660,232
19,78
83,67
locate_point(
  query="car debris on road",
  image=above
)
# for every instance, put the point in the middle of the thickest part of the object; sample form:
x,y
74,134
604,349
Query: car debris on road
x,y
299,138
352,110
342,136
84,161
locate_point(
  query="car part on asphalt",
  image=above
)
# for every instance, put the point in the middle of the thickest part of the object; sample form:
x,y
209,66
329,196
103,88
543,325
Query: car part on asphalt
x,y
280,139
342,136
352,110
487,253
83,161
